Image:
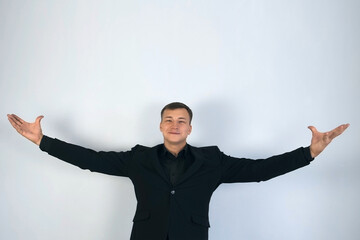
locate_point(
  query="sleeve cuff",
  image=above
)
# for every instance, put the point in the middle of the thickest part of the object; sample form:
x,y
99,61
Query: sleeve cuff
x,y
307,154
45,143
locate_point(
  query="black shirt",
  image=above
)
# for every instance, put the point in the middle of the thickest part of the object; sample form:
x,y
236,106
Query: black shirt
x,y
173,166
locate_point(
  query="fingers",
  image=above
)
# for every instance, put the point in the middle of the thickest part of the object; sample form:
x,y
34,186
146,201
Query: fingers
x,y
16,124
341,127
18,118
15,121
345,126
339,130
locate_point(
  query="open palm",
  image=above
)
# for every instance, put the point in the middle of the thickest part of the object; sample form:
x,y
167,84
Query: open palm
x,y
320,140
31,131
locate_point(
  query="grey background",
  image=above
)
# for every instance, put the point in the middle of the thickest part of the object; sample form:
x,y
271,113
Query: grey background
x,y
255,73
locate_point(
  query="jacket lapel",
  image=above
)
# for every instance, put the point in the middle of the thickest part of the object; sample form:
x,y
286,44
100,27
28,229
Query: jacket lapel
x,y
154,157
198,162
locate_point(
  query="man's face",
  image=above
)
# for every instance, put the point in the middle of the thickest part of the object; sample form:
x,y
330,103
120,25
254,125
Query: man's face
x,y
175,126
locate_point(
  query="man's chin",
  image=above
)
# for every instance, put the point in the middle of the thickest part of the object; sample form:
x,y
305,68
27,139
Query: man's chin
x,y
175,141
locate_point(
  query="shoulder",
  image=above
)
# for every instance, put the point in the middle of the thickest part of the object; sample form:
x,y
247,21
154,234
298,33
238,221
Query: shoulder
x,y
145,149
205,150
209,155
139,148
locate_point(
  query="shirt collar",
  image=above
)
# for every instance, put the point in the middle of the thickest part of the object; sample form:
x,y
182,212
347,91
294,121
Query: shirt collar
x,y
182,153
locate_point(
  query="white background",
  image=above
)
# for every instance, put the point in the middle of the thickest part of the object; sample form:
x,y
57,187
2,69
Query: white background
x,y
255,73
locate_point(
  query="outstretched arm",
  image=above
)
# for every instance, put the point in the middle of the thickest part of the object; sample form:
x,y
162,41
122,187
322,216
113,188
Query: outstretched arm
x,y
113,163
31,131
248,170
320,140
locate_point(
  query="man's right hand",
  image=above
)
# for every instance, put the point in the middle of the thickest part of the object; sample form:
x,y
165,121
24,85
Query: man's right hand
x,y
31,131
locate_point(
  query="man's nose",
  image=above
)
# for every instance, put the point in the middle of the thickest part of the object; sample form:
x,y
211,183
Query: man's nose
x,y
175,125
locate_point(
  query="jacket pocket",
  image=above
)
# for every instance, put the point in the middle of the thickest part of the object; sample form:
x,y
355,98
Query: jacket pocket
x,y
141,216
203,221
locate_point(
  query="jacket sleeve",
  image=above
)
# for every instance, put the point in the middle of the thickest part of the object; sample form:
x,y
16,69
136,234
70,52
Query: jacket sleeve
x,y
248,170
113,163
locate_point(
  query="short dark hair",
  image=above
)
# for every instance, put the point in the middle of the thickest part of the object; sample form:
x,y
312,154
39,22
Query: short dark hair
x,y
176,105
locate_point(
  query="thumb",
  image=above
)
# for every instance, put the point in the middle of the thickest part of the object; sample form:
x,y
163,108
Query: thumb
x,y
38,119
312,129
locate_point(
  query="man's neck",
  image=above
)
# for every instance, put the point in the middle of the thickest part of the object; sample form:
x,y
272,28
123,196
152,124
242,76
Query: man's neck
x,y
174,149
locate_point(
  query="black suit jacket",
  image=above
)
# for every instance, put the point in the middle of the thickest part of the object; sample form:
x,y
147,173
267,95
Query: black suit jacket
x,y
179,210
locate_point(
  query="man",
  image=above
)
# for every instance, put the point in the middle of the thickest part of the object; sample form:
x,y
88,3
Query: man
x,y
174,181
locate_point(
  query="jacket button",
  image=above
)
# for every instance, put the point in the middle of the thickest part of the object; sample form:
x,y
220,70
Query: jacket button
x,y
172,192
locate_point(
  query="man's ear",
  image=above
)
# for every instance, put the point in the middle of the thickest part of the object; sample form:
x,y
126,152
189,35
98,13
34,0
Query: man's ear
x,y
190,129
160,126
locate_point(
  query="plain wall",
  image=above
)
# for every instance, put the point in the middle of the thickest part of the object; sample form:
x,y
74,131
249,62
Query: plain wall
x,y
255,73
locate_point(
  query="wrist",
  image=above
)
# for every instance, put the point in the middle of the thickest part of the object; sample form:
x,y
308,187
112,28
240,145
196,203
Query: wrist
x,y
313,153
39,140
